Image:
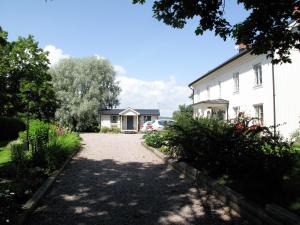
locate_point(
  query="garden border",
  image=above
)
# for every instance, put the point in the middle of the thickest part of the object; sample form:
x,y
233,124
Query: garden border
x,y
32,203
272,215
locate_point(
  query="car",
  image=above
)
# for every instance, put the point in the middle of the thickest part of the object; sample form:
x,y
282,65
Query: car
x,y
160,124
147,126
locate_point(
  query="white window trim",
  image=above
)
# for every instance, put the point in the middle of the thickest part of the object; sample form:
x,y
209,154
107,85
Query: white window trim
x,y
260,119
256,79
236,88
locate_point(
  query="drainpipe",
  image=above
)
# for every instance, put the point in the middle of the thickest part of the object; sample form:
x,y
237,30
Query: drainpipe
x,y
274,100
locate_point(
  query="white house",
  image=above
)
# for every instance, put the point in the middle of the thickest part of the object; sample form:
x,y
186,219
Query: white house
x,y
244,83
128,120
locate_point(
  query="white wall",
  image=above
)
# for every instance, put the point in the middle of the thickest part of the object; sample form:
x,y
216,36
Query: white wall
x,y
106,122
287,79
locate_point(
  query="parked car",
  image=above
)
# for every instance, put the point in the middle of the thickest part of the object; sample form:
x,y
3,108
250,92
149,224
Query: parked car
x,y
147,126
160,124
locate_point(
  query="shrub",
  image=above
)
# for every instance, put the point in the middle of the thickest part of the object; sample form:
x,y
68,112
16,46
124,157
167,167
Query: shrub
x,y
154,139
105,129
248,155
115,130
38,139
60,148
10,127
18,156
110,130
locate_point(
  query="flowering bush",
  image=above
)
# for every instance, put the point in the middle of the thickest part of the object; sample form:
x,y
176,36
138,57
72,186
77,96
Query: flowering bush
x,y
248,154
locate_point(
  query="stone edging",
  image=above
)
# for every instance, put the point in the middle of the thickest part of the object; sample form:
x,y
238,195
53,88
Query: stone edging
x,y
272,215
32,203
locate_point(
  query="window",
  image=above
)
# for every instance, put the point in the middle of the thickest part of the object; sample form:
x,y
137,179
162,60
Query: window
x,y
208,92
236,82
147,118
258,75
220,89
113,119
259,113
236,112
198,96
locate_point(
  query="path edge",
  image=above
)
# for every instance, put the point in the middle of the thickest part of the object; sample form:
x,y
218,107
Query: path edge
x,y
33,202
272,215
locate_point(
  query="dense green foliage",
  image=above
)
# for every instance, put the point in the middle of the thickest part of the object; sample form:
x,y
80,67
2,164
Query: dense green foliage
x,y
18,156
110,130
154,139
251,157
59,148
5,153
25,83
265,29
183,113
10,128
84,86
49,147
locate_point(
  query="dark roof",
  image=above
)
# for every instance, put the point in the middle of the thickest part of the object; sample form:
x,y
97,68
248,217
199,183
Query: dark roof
x,y
140,111
240,54
215,101
111,111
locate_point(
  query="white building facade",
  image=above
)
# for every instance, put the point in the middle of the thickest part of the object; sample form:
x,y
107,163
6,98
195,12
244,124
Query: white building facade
x,y
244,84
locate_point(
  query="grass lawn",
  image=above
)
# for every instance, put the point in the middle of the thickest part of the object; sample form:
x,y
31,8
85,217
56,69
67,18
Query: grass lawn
x,y
4,153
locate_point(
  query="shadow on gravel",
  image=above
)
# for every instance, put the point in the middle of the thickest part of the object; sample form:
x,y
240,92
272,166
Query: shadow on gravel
x,y
108,192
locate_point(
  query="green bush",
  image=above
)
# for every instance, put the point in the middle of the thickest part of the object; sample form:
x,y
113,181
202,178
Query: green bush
x,y
110,130
38,140
115,130
248,155
154,139
10,127
18,155
60,148
105,129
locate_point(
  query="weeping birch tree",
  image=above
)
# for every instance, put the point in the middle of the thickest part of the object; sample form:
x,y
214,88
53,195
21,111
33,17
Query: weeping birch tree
x,y
84,87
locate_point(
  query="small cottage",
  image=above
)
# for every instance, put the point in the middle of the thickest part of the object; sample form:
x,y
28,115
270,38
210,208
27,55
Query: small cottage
x,y
128,120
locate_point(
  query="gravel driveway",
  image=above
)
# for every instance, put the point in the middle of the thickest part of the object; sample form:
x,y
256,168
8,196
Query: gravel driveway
x,y
114,180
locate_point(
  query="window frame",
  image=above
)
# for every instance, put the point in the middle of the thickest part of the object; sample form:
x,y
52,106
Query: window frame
x,y
112,119
208,92
259,113
146,118
237,110
258,76
220,89
236,82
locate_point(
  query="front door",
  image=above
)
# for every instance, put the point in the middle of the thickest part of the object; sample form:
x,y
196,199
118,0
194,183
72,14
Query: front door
x,y
129,122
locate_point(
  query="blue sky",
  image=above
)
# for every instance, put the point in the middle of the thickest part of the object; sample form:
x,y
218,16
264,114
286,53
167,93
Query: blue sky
x,y
127,35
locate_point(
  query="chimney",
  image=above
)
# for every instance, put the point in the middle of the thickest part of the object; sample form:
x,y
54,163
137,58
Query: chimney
x,y
242,47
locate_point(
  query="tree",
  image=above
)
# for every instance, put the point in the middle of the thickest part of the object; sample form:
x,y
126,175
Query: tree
x,y
84,87
268,29
184,112
25,81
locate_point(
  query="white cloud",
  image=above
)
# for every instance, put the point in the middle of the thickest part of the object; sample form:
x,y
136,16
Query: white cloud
x,y
55,54
164,95
99,57
119,70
